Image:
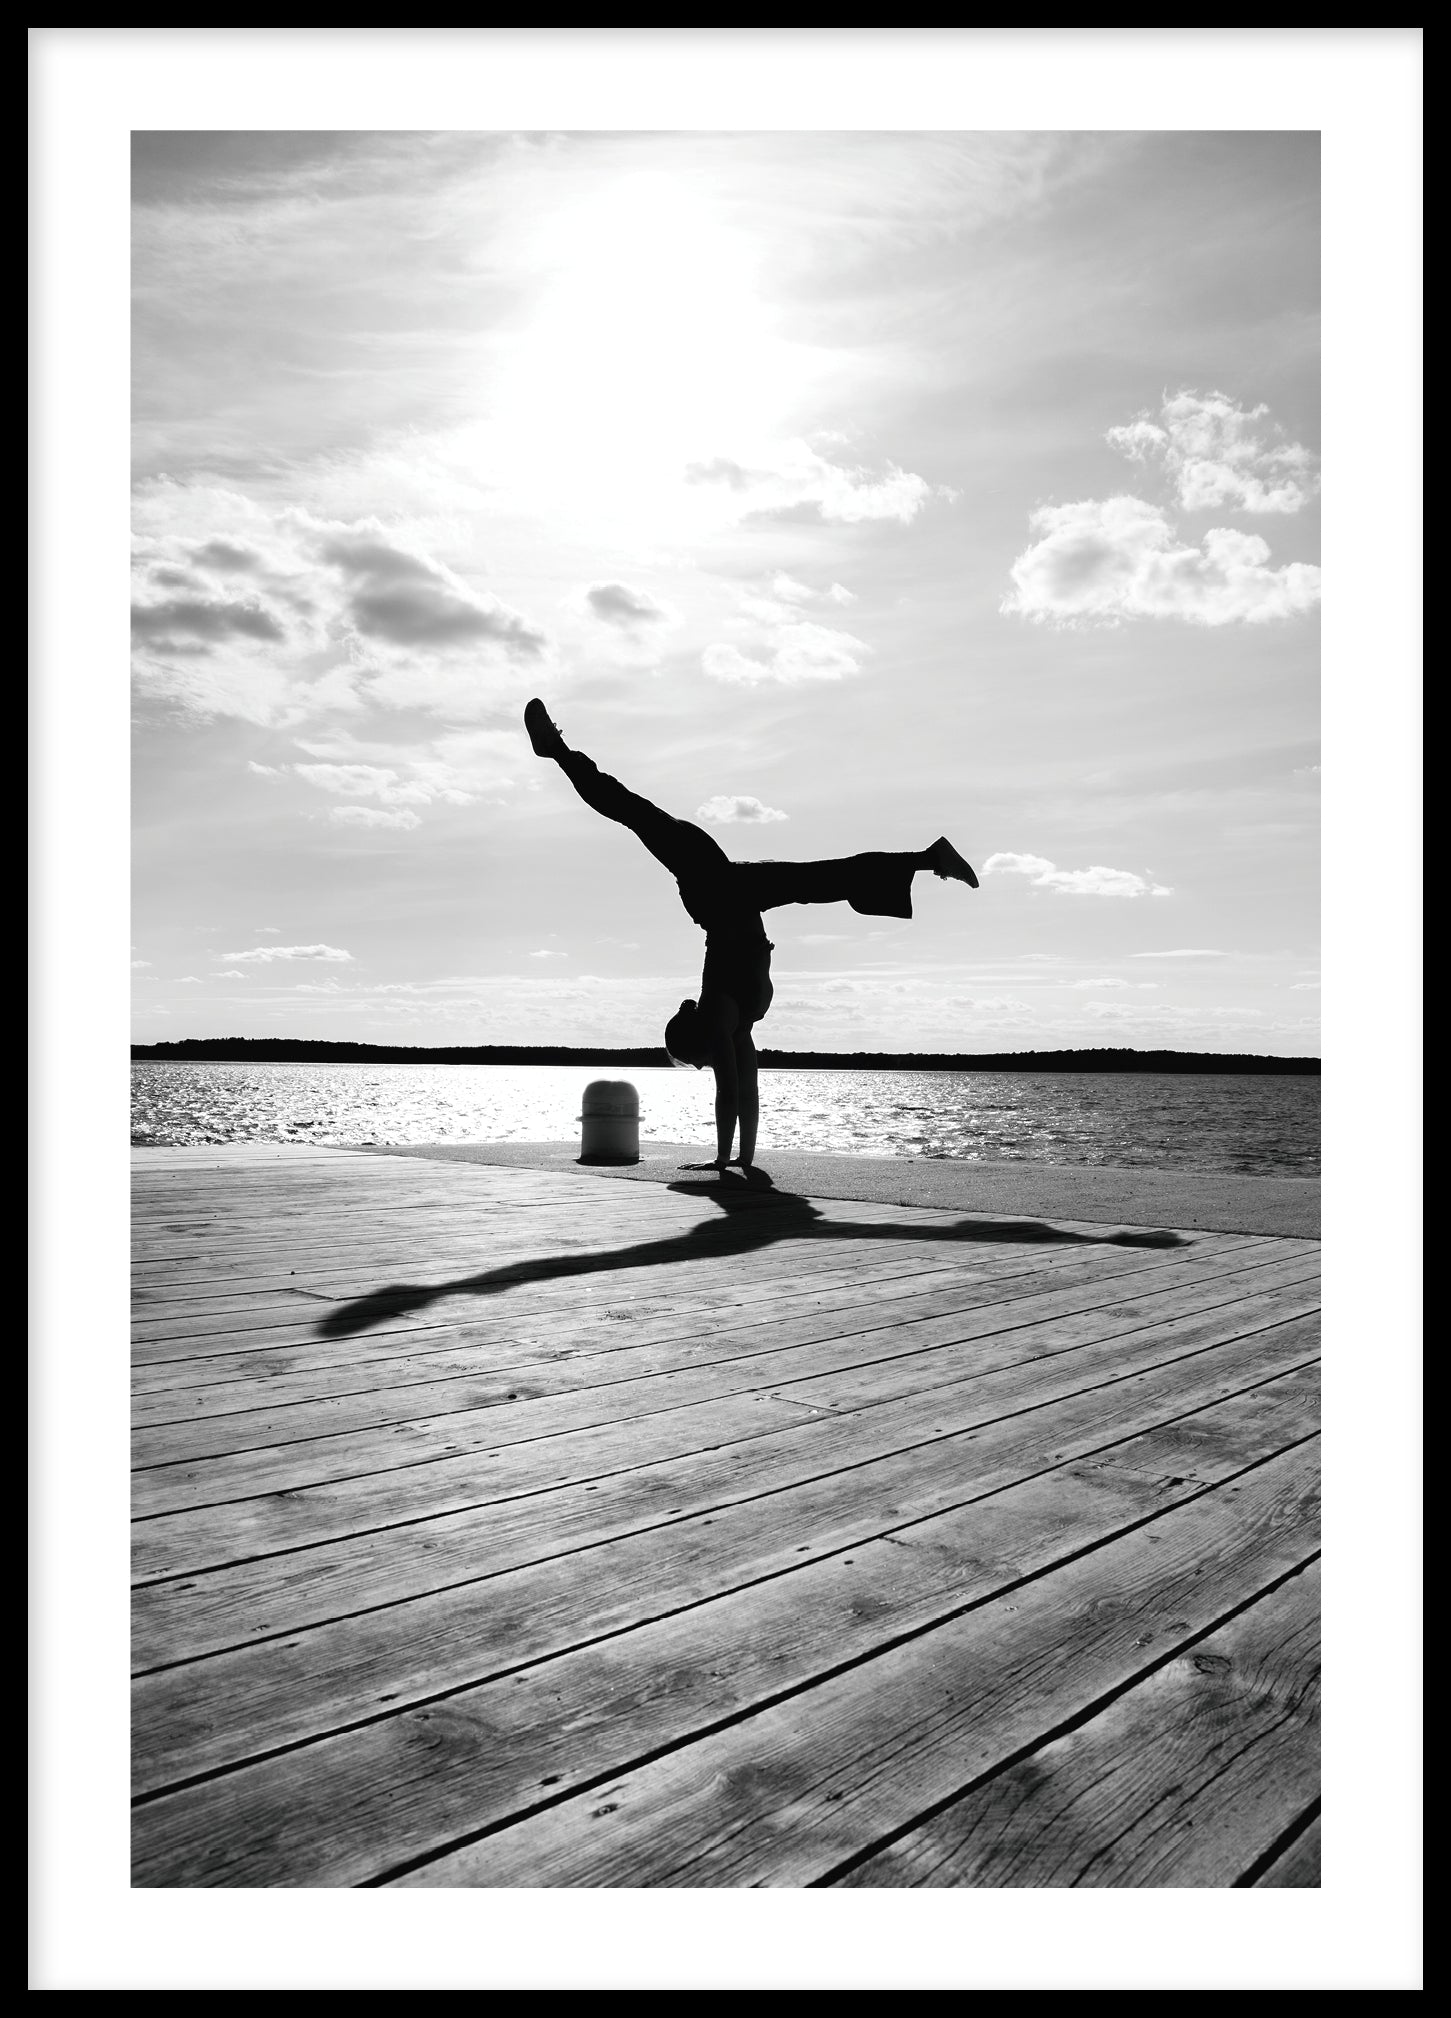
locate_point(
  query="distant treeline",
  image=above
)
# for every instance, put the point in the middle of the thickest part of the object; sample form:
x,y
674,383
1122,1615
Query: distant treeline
x,y
318,1051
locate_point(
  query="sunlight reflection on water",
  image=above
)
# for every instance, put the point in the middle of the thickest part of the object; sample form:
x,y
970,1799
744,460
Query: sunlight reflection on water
x,y
1189,1121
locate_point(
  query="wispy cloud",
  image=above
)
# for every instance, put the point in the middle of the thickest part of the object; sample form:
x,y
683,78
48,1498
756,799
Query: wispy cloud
x,y
1092,882
319,952
798,482
1111,982
1220,456
364,781
372,816
788,653
1184,953
725,809
788,590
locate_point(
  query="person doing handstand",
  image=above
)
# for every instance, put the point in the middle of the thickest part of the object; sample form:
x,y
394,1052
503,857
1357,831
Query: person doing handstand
x,y
726,899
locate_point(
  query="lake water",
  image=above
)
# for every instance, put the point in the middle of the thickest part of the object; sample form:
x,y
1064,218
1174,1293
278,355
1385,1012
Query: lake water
x,y
1185,1121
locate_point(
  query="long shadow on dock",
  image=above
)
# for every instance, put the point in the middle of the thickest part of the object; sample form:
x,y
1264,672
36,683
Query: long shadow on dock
x,y
756,1216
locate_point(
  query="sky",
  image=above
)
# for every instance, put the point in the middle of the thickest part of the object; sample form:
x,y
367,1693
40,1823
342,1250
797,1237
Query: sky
x,y
836,491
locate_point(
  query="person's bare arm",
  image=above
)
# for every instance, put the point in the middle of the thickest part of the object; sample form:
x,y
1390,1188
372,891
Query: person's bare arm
x,y
727,1098
747,1099
721,1019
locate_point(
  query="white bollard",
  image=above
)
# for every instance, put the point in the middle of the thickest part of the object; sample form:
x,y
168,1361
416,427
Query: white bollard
x,y
610,1114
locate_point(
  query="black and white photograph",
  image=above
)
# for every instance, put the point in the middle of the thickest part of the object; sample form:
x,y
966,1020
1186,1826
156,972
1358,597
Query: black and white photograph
x,y
724,908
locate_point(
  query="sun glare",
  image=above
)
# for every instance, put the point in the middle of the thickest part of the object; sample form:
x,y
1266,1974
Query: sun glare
x,y
649,347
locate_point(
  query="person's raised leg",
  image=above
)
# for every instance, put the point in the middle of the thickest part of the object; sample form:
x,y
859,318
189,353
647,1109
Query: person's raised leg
x,y
672,842
877,885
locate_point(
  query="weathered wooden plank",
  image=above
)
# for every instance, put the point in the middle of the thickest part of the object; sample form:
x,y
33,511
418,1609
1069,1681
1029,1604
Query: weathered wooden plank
x,y
799,1790
337,1368
1185,1780
467,1211
583,1388
1297,1868
337,1239
296,1315
719,1285
699,1217
888,1358
785,1793
333,1330
193,1537
787,1501
197,1538
711,1276
551,1238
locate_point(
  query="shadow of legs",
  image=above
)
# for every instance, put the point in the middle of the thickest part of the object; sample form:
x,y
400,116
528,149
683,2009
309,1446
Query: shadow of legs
x,y
755,1216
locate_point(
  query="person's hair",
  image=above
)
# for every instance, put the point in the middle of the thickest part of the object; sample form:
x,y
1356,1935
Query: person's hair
x,y
682,1035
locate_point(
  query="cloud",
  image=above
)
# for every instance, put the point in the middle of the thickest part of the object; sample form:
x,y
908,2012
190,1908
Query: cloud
x,y
1184,953
981,1002
788,655
1105,560
798,482
187,621
291,953
1313,986
1093,882
548,953
626,608
274,617
1109,982
725,809
1220,456
398,596
364,781
788,590
229,974
226,557
371,816
140,963
457,767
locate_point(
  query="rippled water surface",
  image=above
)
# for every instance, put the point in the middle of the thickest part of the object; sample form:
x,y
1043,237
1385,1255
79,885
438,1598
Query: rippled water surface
x,y
1188,1121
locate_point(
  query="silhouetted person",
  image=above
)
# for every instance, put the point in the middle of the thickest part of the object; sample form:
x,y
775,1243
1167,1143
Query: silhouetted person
x,y
726,899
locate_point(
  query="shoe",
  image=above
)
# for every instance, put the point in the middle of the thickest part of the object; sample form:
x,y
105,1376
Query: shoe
x,y
544,738
947,862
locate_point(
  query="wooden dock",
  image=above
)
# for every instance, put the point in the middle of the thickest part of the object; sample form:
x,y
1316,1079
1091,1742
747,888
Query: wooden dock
x,y
508,1527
